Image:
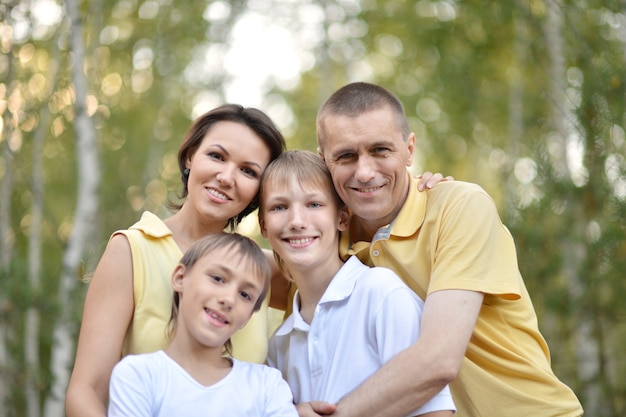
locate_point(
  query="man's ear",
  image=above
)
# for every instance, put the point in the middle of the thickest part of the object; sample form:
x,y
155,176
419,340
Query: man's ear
x,y
177,278
410,143
344,218
320,152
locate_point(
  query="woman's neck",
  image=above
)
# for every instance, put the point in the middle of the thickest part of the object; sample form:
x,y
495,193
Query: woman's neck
x,y
187,227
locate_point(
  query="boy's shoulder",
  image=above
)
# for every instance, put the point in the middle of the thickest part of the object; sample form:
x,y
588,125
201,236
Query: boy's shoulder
x,y
255,371
376,276
143,360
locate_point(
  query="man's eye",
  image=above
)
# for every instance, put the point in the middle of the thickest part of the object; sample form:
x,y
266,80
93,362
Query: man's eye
x,y
345,157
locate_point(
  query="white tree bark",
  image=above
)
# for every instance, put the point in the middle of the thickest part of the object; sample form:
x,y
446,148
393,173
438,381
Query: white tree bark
x,y
515,106
6,246
5,249
86,211
571,246
31,330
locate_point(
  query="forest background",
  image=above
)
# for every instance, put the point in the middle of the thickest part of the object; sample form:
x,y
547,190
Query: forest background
x,y
526,98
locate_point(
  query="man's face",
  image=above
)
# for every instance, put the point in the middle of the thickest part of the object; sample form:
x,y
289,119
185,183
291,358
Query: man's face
x,y
367,157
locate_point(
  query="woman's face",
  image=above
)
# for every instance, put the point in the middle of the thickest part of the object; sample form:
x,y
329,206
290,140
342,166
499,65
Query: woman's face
x,y
226,170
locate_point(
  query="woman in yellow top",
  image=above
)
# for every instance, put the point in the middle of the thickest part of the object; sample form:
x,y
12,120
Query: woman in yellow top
x,y
128,302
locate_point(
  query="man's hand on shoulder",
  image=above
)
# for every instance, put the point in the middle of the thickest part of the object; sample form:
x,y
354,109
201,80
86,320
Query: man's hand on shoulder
x,y
428,180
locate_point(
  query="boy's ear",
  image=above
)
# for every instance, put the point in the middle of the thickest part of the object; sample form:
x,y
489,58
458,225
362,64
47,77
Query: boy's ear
x,y
344,218
177,278
320,153
262,227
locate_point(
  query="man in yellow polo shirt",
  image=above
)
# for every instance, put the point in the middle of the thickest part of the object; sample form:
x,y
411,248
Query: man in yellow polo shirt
x,y
479,330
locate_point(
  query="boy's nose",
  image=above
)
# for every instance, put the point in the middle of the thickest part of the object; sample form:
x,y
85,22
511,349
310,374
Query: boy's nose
x,y
296,217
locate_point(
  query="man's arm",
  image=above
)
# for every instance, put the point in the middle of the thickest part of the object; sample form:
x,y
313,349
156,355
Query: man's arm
x,y
416,374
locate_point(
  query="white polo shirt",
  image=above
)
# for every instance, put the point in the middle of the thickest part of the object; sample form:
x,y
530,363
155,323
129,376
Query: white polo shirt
x,y
364,318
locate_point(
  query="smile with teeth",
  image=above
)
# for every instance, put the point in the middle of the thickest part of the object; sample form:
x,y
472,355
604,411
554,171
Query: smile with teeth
x,y
217,194
214,315
368,190
300,240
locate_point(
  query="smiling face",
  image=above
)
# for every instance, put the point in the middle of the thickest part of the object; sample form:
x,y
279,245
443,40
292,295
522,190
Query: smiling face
x,y
301,220
367,156
217,296
225,171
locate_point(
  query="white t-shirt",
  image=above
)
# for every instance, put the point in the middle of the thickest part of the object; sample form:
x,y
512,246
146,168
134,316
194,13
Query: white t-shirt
x,y
366,316
153,384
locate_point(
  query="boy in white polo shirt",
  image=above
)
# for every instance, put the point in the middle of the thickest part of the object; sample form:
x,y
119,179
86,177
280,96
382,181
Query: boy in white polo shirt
x,y
348,319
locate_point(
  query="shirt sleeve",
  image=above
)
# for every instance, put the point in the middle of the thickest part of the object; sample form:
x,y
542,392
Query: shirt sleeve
x,y
397,328
129,390
474,250
279,401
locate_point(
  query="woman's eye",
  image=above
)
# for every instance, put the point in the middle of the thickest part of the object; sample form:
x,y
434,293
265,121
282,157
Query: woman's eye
x,y
215,155
250,172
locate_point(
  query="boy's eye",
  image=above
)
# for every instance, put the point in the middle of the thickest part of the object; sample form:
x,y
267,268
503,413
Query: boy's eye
x,y
217,278
278,207
246,295
315,205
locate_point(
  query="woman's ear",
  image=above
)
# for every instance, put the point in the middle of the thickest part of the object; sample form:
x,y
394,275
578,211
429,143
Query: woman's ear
x,y
177,278
344,218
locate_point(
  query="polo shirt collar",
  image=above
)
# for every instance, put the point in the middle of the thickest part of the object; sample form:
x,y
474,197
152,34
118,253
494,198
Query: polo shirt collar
x,y
340,288
152,225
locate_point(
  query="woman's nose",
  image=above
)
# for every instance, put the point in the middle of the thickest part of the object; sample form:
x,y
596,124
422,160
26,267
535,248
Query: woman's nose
x,y
226,177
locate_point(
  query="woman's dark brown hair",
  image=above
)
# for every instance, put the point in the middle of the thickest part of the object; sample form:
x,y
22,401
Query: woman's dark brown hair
x,y
254,118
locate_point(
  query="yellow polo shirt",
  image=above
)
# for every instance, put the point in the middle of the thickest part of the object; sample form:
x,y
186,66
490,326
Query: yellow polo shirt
x,y
451,237
155,255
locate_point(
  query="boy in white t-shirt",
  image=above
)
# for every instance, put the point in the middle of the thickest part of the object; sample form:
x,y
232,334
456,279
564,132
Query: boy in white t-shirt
x,y
220,281
348,319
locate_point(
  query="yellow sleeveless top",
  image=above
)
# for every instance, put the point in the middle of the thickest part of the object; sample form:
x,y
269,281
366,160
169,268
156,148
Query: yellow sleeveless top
x,y
155,255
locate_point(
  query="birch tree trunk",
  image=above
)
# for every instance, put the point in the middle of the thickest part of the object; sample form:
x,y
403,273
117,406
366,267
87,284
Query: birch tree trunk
x,y
31,330
572,246
5,238
5,249
88,168
515,106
